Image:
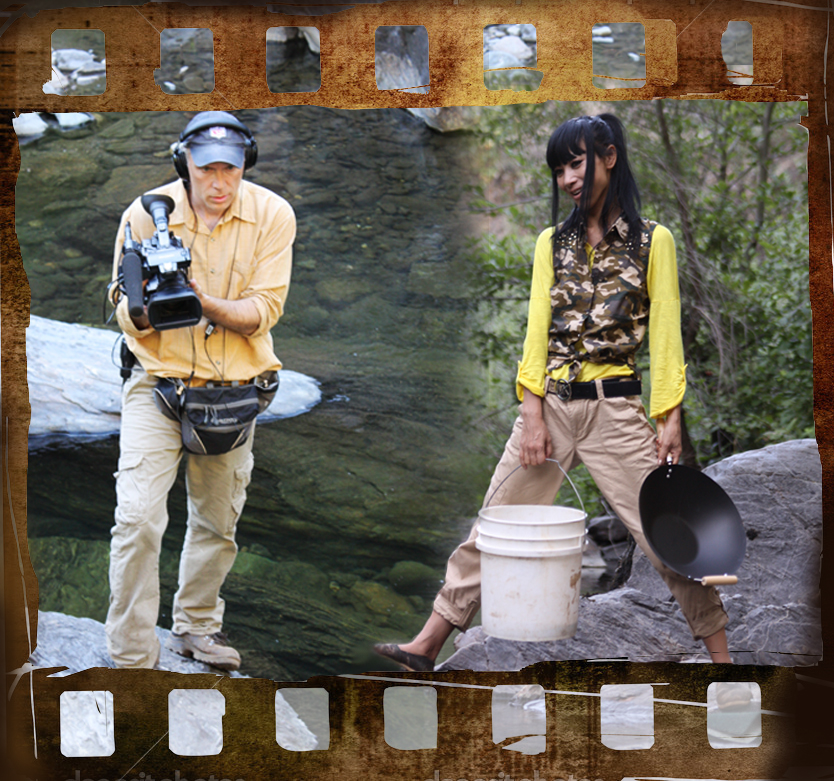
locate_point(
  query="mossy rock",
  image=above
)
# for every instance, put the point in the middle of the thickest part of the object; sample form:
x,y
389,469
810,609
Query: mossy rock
x,y
378,599
412,577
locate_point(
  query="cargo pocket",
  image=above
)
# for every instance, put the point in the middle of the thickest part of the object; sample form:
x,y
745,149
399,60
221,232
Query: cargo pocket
x,y
243,474
132,498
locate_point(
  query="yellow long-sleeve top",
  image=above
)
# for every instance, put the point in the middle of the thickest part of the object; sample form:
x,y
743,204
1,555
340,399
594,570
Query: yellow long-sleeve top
x,y
668,377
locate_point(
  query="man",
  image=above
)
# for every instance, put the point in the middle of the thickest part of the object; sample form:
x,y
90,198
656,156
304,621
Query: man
x,y
240,237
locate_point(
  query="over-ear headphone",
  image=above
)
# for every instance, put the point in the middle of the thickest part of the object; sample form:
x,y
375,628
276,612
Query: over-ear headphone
x,y
203,121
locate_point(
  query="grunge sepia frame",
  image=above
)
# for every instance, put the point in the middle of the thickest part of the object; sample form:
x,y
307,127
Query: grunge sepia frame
x,y
683,55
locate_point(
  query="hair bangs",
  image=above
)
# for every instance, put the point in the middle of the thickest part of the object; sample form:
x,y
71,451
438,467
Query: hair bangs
x,y
569,140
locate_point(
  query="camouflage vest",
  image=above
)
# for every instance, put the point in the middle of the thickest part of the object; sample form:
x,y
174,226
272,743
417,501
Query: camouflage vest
x,y
599,314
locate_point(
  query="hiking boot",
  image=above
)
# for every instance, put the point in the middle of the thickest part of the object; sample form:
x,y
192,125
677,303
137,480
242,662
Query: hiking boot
x,y
211,649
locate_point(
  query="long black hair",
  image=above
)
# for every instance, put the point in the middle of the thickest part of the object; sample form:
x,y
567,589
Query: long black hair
x,y
596,133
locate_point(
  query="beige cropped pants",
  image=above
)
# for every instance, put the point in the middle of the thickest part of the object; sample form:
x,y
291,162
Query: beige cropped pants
x,y
615,441
150,453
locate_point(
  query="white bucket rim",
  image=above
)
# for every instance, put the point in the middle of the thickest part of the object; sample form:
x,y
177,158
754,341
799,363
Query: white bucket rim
x,y
555,538
529,553
489,514
570,527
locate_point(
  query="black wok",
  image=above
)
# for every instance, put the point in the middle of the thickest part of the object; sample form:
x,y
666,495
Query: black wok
x,y
691,524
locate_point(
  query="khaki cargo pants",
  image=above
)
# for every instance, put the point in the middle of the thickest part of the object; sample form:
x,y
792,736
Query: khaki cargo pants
x,y
615,441
150,453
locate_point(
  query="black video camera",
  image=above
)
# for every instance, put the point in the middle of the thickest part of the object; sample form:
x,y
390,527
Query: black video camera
x,y
163,261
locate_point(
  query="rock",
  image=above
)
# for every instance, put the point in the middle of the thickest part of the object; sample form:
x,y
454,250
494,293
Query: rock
x,y
29,124
80,643
376,598
398,73
73,119
607,529
75,387
774,613
447,120
493,59
71,59
128,182
281,34
513,46
122,128
313,38
440,280
413,577
340,291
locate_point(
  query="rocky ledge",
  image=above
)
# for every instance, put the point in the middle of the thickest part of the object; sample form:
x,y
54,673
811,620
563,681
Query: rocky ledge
x,y
774,610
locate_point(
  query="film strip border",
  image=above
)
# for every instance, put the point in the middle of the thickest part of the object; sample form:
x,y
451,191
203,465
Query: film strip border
x,y
683,53
683,59
554,720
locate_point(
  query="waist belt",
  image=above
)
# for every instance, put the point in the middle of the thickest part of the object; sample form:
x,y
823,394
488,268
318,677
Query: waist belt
x,y
611,387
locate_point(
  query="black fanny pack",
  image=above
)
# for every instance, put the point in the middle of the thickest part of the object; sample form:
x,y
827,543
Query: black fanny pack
x,y
216,418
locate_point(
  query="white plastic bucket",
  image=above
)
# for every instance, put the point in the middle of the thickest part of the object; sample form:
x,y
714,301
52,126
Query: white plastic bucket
x,y
531,566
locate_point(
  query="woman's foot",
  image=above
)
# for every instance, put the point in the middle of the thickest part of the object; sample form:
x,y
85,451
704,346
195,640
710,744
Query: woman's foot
x,y
420,654
413,663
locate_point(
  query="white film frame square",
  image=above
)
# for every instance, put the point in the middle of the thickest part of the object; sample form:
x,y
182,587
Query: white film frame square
x,y
734,714
87,724
291,731
410,714
519,711
626,716
195,722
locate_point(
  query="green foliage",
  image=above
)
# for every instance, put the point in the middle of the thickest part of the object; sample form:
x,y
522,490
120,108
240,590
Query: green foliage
x,y
728,179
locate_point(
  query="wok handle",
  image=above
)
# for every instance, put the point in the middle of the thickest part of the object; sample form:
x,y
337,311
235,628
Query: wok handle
x,y
719,580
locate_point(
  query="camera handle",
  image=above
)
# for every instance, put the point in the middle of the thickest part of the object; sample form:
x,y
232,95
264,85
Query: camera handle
x,y
132,274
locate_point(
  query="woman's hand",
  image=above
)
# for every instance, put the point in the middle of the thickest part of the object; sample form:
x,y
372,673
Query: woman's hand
x,y
535,438
669,437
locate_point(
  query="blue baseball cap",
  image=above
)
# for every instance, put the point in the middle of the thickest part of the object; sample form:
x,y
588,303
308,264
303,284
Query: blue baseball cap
x,y
217,144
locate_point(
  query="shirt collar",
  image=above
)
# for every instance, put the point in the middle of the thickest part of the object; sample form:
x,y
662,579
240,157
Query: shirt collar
x,y
621,226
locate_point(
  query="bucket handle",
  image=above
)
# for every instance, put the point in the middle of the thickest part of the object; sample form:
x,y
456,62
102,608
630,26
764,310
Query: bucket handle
x,y
552,461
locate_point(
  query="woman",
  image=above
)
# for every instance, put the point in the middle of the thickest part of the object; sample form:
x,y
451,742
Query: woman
x,y
594,277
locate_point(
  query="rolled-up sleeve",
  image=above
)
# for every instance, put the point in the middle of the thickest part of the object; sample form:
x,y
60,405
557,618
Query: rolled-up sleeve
x,y
270,281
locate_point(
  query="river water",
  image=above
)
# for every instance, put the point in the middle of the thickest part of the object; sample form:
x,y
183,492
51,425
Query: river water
x,y
354,506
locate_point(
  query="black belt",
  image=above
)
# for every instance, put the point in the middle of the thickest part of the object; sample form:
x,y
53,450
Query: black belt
x,y
588,390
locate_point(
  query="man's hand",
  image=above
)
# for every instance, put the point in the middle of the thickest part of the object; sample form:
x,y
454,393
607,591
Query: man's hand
x,y
669,437
241,316
536,445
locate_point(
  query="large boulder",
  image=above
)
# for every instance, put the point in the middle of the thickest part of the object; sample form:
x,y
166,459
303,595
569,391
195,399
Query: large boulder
x,y
75,387
774,610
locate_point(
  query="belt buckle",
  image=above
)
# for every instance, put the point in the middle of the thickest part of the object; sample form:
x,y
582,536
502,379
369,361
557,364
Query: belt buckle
x,y
563,390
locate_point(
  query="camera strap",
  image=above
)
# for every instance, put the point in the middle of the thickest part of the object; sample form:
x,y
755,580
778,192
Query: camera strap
x,y
127,361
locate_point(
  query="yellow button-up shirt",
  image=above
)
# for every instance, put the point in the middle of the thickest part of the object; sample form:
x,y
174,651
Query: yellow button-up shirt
x,y
248,254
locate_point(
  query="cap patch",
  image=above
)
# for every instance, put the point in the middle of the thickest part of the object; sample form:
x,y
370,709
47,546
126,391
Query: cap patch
x,y
217,132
